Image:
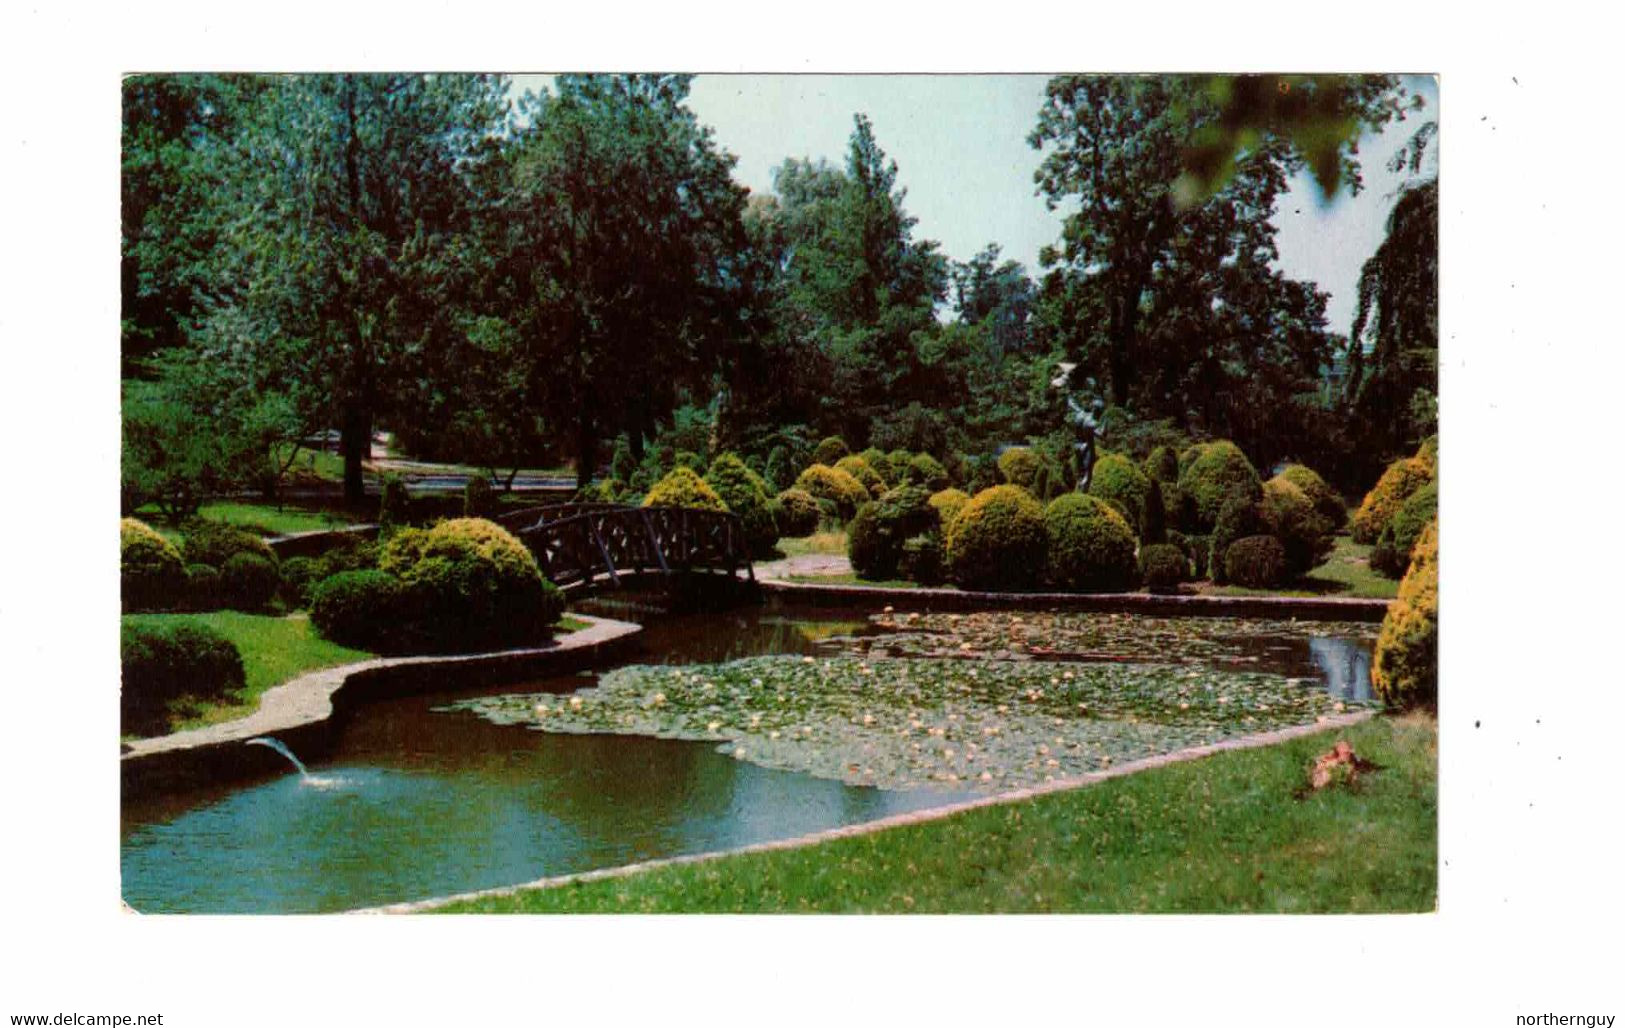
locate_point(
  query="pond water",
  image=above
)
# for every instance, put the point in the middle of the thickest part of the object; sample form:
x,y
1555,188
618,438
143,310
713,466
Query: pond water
x,y
419,800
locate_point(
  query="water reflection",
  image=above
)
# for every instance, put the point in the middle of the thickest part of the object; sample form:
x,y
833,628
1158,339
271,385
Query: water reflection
x,y
1345,665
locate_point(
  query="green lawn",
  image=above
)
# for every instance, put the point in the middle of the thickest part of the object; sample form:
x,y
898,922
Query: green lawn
x,y
274,649
1347,572
263,518
1233,833
819,543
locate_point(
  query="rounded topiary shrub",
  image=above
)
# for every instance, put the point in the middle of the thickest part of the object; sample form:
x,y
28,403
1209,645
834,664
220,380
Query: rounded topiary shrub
x,y
926,472
480,496
363,609
948,504
1405,667
830,450
922,559
778,473
1327,503
1020,466
1237,519
688,459
1163,566
798,513
866,475
826,483
1392,554
1162,465
204,588
881,462
1396,485
214,543
166,660
1091,546
470,584
682,487
1218,472
898,461
878,531
299,578
1428,453
745,494
1256,561
998,541
151,573
1288,514
250,582
1116,479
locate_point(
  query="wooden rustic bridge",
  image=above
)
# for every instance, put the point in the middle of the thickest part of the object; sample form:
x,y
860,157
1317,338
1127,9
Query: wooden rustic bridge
x,y
581,546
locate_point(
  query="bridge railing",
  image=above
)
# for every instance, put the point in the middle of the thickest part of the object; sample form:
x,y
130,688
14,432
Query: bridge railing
x,y
577,544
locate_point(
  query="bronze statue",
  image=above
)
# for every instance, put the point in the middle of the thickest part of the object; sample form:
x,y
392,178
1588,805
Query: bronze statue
x,y
1085,421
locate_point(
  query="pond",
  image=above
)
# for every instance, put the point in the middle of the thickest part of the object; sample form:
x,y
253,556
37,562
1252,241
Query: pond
x,y
437,794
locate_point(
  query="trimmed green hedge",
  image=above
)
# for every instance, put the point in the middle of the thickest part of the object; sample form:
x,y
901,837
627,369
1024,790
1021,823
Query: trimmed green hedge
x,y
465,584
152,575
1257,562
164,663
948,503
877,533
1238,519
1290,516
1116,479
1091,547
926,472
1218,472
798,513
866,475
1021,466
683,488
213,543
1396,485
829,450
1392,554
1327,503
998,541
827,483
1162,465
249,581
1405,668
745,494
1163,566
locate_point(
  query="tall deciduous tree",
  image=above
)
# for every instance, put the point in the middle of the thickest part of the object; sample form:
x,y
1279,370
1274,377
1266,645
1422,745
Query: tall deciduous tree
x,y
339,208
623,266
1172,301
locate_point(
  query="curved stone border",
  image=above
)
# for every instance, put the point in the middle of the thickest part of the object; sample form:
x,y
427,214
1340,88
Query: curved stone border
x,y
917,817
301,712
1310,608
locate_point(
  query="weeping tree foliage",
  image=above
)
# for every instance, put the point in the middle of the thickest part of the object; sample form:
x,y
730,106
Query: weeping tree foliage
x,y
1393,355
1171,301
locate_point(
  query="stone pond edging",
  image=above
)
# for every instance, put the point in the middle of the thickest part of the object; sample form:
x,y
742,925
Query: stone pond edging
x,y
1310,608
917,817
301,712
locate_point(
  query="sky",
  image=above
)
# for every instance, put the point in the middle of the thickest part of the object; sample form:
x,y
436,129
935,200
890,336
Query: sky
x,y
960,143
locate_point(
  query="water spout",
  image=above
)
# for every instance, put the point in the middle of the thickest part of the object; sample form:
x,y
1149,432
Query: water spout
x,y
276,745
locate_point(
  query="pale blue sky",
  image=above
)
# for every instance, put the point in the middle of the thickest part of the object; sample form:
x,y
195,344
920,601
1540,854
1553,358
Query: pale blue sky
x,y
960,143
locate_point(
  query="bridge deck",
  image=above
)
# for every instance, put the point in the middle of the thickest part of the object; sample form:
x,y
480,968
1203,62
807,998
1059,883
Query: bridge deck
x,y
579,545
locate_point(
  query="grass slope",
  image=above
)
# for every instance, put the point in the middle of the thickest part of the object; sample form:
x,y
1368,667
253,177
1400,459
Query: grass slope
x,y
274,650
1227,834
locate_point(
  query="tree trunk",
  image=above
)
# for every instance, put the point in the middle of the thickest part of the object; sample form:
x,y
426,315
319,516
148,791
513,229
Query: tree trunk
x,y
586,453
355,439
